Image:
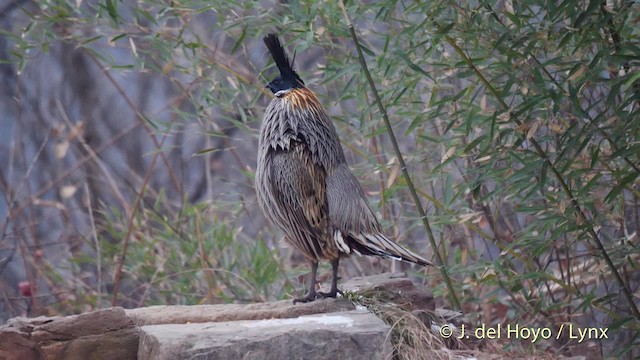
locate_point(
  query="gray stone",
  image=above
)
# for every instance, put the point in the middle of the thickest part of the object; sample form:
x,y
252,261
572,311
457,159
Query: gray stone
x,y
325,328
101,334
339,335
180,314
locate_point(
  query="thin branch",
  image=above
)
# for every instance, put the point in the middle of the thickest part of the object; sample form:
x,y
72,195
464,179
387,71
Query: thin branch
x,y
94,233
108,177
546,72
125,245
403,166
78,164
563,184
140,117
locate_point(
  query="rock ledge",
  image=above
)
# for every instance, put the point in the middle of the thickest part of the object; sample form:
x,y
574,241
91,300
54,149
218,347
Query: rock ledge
x,y
277,330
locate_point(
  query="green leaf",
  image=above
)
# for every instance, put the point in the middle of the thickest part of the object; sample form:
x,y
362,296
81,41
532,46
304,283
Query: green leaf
x,y
412,65
625,182
240,41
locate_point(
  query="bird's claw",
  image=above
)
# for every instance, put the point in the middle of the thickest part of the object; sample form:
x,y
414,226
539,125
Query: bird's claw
x,y
330,294
307,298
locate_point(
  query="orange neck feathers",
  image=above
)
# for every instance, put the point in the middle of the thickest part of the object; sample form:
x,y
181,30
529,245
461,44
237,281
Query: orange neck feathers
x,y
302,99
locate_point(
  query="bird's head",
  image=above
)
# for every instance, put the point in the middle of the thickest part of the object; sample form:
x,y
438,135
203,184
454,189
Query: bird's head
x,y
288,79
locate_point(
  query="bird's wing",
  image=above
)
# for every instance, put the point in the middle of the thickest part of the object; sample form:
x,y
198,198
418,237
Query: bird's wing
x,y
356,228
299,193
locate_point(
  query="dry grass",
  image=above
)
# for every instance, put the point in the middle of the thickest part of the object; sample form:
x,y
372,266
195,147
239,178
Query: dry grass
x,y
415,334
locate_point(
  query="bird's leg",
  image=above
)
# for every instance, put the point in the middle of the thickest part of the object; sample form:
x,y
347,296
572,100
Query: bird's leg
x,y
311,295
334,280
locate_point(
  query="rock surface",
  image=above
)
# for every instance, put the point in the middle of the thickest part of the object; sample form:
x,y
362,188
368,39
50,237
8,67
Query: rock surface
x,y
344,335
327,328
101,334
179,314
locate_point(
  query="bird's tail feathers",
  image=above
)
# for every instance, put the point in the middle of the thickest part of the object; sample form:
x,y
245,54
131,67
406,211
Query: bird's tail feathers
x,y
280,56
380,245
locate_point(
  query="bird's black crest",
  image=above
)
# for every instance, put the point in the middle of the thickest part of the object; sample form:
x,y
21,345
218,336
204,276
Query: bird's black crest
x,y
288,78
279,56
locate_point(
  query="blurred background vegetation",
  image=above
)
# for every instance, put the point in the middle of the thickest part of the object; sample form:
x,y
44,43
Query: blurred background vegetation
x,y
128,146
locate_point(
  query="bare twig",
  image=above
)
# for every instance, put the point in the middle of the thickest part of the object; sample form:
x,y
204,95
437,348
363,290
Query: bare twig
x,y
77,165
141,118
563,184
538,63
94,233
403,166
109,178
125,245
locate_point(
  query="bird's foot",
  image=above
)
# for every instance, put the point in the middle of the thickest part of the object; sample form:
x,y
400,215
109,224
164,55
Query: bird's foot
x,y
311,296
331,294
